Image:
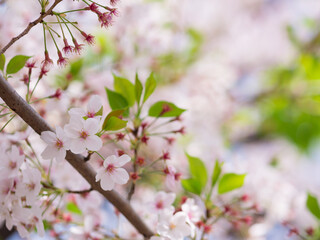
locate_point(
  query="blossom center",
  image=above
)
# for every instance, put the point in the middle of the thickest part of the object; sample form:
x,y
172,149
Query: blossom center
x,y
172,226
12,165
31,186
159,205
110,168
90,115
35,219
84,134
59,144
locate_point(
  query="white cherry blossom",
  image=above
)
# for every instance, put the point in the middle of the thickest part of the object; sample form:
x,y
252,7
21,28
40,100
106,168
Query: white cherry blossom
x,y
159,238
174,227
58,144
162,201
5,215
28,218
172,181
87,231
6,186
11,162
111,173
82,135
30,185
192,210
94,105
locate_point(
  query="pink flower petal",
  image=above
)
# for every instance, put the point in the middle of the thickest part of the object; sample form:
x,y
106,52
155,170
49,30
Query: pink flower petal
x,y
77,146
120,176
110,160
49,152
77,112
122,160
94,104
93,143
91,125
106,183
48,137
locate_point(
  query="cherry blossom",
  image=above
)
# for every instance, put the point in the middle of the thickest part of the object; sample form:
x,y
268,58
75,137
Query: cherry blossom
x,y
11,163
82,135
163,201
94,105
5,214
6,186
30,185
172,178
58,144
27,219
175,226
159,238
87,230
112,173
192,210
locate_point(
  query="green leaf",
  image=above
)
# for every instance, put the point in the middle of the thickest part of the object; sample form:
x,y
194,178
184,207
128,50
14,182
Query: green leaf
x,y
230,181
114,124
47,225
151,84
115,113
76,67
16,63
116,100
216,173
125,88
191,185
2,61
72,207
138,89
313,205
100,112
171,110
198,170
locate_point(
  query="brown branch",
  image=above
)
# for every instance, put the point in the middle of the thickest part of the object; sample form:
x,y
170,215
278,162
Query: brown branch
x,y
31,25
34,120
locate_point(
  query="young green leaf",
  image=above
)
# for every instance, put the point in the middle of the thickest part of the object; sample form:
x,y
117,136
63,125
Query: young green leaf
x,y
125,88
230,181
313,205
191,185
115,113
16,63
116,100
165,109
151,84
198,170
216,173
138,88
2,61
47,225
114,124
100,112
76,67
71,207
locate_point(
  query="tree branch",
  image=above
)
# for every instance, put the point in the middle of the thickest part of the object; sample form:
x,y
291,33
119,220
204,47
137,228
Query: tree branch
x,y
34,120
31,25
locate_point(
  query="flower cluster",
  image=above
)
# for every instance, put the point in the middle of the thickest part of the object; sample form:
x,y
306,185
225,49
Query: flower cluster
x,y
79,136
174,224
67,26
19,189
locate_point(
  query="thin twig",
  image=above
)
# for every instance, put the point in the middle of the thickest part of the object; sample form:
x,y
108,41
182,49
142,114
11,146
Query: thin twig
x,y
31,25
